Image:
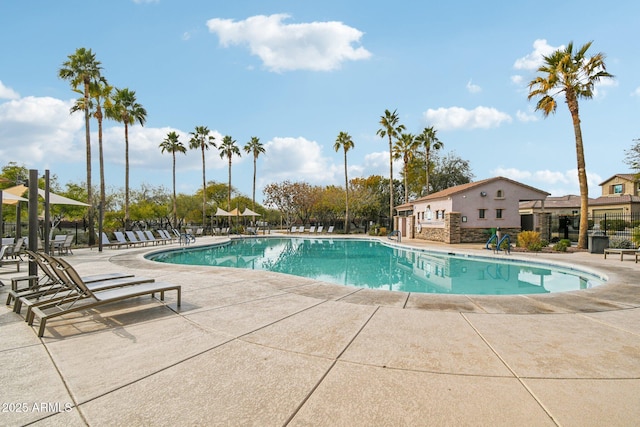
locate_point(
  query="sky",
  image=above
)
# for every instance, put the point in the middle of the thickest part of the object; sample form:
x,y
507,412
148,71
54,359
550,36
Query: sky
x,y
295,74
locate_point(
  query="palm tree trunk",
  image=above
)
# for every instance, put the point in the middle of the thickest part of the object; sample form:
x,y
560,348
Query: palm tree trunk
x,y
126,175
92,237
572,103
229,191
390,184
253,196
346,198
175,209
100,154
204,189
426,155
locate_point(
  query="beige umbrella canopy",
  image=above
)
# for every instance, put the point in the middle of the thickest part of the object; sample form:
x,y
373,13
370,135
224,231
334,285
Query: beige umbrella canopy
x,y
222,212
234,212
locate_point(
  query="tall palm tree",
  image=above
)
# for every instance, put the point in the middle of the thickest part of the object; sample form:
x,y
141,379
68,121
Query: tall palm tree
x,y
255,147
171,144
100,95
404,149
345,142
430,141
391,129
574,74
80,69
200,139
127,110
227,149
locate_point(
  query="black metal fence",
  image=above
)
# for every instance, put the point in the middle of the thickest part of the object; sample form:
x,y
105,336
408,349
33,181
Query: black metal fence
x,y
618,226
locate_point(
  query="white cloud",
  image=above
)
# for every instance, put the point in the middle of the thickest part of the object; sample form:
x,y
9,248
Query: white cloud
x,y
526,117
7,92
636,92
317,46
461,118
534,59
40,129
517,79
557,183
297,159
473,88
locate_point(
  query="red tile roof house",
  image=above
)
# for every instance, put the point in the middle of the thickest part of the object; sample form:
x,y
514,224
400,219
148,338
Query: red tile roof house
x,y
466,213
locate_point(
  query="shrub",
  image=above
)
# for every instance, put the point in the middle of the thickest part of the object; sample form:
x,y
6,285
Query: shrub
x,y
530,240
635,236
562,245
620,243
613,224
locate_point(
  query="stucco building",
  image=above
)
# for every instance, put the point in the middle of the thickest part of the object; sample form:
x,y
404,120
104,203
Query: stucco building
x,y
466,213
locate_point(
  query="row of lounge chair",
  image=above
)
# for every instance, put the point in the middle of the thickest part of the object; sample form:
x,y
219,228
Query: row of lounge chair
x,y
61,290
312,229
137,238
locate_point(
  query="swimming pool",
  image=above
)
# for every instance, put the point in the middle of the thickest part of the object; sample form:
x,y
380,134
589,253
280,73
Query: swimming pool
x,y
370,263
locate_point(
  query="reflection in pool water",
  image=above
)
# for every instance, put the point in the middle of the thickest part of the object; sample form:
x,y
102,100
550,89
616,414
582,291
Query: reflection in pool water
x,y
372,264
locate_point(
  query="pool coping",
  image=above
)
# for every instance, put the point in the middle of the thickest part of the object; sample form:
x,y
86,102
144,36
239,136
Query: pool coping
x,y
619,293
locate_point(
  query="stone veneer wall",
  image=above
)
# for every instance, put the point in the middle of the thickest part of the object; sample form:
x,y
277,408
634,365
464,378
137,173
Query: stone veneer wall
x,y
453,232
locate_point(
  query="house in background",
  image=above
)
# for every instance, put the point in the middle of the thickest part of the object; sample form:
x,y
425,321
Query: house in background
x,y
466,213
620,195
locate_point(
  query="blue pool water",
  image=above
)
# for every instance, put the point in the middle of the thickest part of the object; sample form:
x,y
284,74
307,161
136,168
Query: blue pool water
x,y
372,264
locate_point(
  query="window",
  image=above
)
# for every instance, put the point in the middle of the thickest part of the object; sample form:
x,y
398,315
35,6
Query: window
x,y
482,213
618,189
499,213
499,194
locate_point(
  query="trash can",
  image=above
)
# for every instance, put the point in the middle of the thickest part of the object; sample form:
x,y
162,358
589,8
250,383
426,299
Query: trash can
x,y
597,244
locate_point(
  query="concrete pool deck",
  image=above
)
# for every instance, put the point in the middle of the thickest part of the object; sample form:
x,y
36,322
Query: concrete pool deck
x,y
257,348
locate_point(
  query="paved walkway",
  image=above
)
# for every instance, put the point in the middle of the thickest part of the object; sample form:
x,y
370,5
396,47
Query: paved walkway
x,y
257,348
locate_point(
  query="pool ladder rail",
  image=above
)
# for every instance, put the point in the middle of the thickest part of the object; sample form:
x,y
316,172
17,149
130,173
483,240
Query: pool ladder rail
x,y
498,243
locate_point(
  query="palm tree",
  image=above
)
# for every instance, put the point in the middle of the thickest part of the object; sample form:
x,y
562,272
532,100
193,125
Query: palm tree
x,y
404,149
227,149
172,145
81,69
200,139
392,130
430,141
255,147
127,110
575,74
345,142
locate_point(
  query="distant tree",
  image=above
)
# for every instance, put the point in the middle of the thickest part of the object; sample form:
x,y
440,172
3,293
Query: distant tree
x,y
449,171
228,149
574,74
391,129
172,144
293,200
201,140
345,142
81,69
126,110
632,156
430,142
404,149
255,148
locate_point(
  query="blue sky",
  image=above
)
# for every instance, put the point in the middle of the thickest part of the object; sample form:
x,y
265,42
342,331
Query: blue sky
x,y
295,74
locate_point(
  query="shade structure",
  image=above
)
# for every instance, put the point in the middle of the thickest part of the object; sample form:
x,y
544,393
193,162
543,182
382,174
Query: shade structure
x,y
11,199
234,212
249,212
54,199
222,212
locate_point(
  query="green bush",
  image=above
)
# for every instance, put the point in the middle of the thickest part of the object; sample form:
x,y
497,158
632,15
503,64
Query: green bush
x,y
620,243
562,245
613,224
